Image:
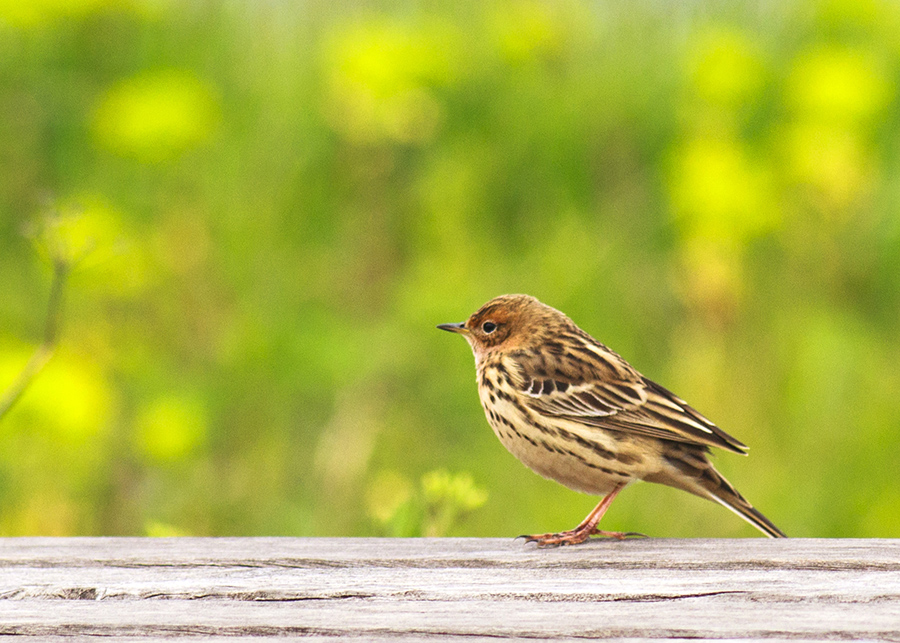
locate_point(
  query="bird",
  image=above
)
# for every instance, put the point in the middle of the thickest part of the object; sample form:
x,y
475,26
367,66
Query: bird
x,y
576,412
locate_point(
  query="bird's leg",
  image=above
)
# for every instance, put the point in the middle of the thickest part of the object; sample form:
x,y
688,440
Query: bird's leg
x,y
587,527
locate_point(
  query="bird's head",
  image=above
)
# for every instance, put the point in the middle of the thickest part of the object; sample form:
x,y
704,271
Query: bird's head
x,y
506,322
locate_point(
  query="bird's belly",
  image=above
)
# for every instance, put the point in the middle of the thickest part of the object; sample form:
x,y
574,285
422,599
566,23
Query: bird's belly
x,y
594,465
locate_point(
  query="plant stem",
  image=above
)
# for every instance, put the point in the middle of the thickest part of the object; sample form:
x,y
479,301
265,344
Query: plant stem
x,y
45,351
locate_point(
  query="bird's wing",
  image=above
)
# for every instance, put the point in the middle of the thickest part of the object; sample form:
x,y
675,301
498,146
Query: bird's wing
x,y
597,388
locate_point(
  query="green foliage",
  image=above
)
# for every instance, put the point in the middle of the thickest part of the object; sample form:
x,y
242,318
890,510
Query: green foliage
x,y
435,509
278,202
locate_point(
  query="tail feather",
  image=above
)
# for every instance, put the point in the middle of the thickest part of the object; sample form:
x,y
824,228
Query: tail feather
x,y
739,505
696,474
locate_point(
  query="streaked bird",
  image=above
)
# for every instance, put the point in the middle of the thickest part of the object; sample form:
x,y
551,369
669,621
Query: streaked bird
x,y
574,411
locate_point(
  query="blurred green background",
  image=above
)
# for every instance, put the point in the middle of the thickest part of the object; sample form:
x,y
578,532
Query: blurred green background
x,y
273,203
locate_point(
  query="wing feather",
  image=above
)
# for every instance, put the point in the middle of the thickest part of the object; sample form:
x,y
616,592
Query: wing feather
x,y
606,392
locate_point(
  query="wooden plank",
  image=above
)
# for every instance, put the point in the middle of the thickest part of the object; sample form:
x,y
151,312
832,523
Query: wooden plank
x,y
413,589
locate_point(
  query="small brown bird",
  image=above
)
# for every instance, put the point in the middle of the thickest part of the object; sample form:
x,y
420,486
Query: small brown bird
x,y
574,411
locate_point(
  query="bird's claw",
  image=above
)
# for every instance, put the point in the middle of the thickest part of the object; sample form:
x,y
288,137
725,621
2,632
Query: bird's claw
x,y
575,537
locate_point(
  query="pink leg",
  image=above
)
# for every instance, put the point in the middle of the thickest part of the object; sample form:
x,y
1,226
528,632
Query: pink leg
x,y
583,531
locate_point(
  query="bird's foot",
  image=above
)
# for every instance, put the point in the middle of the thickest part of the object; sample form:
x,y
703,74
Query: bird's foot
x,y
571,537
576,536
621,535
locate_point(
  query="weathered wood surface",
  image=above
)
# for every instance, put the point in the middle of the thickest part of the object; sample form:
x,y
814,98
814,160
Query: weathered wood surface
x,y
425,589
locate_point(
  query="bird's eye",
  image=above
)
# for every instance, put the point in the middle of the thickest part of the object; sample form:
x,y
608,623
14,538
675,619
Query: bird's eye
x,y
489,327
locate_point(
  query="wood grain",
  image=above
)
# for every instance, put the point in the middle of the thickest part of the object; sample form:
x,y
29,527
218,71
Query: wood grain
x,y
424,589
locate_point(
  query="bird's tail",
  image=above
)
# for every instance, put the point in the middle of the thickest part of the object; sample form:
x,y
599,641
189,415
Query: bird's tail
x,y
725,494
697,475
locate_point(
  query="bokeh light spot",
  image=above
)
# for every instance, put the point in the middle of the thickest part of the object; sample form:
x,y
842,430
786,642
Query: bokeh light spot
x,y
381,77
171,427
71,398
726,68
156,116
719,192
527,30
838,84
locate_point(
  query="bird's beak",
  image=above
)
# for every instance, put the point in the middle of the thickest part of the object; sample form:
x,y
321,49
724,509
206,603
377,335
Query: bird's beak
x,y
455,328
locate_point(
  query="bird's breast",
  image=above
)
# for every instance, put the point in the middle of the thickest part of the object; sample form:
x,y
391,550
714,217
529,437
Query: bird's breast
x,y
586,459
